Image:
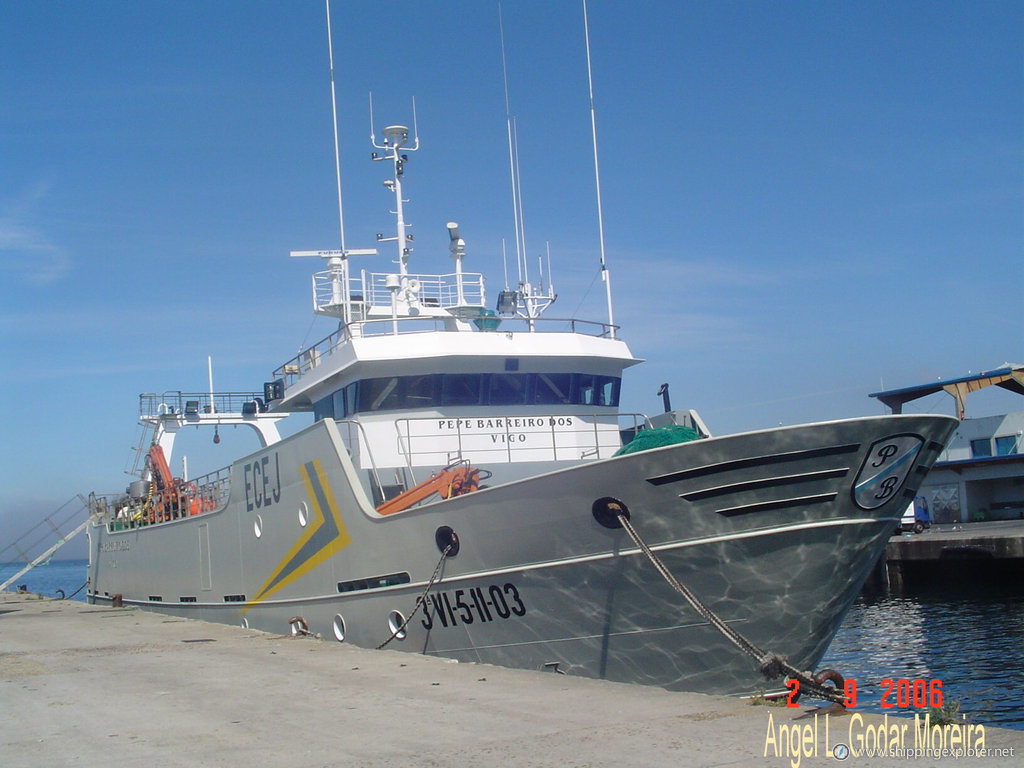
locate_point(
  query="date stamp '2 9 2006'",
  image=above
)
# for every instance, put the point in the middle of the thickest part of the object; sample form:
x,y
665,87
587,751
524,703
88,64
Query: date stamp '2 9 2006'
x,y
901,694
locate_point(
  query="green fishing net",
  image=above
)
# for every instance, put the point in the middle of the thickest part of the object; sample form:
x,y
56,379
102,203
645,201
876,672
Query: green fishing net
x,y
647,439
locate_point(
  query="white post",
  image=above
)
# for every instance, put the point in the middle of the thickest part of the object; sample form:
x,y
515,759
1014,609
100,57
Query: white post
x,y
457,247
209,373
394,283
597,179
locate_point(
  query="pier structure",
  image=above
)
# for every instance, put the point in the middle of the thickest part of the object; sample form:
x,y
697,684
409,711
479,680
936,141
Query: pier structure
x,y
980,476
98,687
973,496
963,555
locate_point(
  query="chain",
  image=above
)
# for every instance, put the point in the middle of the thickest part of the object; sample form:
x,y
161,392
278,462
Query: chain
x,y
421,599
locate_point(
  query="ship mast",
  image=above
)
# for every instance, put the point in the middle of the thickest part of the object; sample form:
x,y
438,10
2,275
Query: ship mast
x,y
394,147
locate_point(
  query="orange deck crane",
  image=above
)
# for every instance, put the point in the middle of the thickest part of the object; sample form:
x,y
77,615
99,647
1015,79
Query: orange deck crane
x,y
454,480
172,497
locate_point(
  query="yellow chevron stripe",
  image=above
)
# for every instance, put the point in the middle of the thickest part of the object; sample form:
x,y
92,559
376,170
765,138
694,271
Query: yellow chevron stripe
x,y
325,521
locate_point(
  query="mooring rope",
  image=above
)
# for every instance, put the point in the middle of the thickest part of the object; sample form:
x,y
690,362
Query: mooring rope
x,y
771,664
77,590
421,599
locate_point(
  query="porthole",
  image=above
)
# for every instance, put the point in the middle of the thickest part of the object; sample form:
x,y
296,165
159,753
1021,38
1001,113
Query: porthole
x,y
303,514
339,628
396,623
257,526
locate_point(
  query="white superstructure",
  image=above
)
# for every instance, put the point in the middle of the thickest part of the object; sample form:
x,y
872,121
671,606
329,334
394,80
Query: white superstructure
x,y
421,373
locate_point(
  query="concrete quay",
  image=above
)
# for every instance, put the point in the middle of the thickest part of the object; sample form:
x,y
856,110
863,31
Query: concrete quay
x,y
969,552
82,685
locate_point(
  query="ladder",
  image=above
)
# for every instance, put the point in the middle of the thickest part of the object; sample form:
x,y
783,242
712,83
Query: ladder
x,y
61,540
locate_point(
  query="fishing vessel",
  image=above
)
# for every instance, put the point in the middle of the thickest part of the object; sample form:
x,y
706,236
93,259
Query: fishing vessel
x,y
470,488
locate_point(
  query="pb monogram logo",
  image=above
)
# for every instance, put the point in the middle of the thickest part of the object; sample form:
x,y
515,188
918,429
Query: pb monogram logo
x,y
885,469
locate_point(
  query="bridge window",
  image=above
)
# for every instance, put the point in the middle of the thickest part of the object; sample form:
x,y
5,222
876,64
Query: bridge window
x,y
351,397
507,389
596,390
339,404
324,409
460,389
392,393
552,388
419,391
379,394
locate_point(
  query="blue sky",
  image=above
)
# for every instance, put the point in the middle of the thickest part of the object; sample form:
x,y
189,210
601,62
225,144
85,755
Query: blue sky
x,y
805,202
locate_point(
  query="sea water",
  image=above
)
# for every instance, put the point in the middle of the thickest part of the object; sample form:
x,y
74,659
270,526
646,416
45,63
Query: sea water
x,y
971,641
973,644
50,580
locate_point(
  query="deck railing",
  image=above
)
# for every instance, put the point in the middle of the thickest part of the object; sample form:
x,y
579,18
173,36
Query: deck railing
x,y
308,359
152,405
512,439
185,498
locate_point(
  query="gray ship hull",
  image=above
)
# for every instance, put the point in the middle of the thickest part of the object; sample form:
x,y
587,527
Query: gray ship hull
x,y
776,532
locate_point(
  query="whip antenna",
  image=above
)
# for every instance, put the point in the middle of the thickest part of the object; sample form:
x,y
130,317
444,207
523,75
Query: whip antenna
x,y
334,116
512,157
605,276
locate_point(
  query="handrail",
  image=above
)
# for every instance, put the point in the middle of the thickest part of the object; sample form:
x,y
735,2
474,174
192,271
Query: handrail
x,y
372,289
310,358
365,441
523,437
185,498
152,405
28,547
